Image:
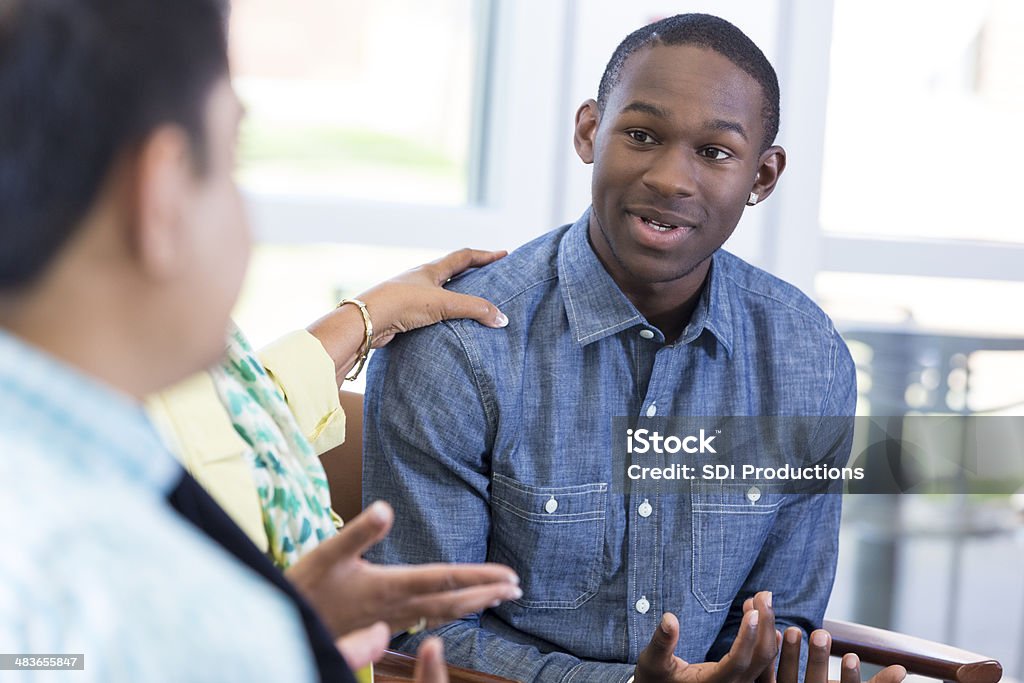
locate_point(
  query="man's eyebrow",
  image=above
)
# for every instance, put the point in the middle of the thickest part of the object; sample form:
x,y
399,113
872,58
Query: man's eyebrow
x,y
646,108
723,124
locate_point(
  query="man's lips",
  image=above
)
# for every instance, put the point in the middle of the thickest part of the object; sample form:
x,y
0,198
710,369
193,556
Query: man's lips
x,y
657,233
661,221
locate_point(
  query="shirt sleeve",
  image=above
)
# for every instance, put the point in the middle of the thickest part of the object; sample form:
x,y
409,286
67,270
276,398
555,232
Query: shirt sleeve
x,y
806,527
304,372
427,438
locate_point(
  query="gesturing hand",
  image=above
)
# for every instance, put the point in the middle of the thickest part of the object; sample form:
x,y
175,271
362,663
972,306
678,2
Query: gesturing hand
x,y
753,651
819,646
350,593
367,645
819,649
430,666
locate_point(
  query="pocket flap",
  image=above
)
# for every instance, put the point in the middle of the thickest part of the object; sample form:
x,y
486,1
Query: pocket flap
x,y
550,503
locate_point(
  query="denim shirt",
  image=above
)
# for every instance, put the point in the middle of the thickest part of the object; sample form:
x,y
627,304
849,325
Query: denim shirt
x,y
471,431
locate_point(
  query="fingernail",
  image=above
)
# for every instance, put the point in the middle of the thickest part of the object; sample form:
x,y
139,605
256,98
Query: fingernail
x,y
819,639
381,510
850,662
768,598
754,617
664,624
792,635
496,603
501,320
516,593
514,579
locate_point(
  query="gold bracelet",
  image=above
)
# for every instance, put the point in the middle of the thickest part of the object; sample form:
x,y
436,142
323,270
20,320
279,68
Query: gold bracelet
x,y
368,325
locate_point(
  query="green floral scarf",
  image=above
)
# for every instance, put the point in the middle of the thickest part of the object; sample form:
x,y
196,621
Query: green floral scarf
x,y
289,478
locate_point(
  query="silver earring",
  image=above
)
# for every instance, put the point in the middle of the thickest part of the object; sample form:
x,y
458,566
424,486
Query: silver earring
x,y
752,199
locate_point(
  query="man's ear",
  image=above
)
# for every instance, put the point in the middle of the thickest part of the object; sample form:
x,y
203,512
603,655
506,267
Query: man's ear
x,y
164,183
587,119
770,166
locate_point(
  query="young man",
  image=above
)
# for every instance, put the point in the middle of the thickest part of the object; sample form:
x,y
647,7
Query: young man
x,y
123,249
499,446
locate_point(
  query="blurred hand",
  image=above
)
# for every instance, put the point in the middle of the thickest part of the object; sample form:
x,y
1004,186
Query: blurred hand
x,y
367,645
753,651
350,593
430,666
364,645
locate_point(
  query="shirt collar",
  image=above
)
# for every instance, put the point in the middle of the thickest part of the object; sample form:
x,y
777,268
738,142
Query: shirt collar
x,y
50,401
597,308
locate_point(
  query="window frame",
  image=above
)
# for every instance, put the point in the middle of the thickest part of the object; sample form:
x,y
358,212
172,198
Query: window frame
x,y
513,164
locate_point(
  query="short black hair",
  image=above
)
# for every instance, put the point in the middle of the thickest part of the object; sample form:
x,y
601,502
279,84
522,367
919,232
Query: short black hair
x,y
707,31
81,83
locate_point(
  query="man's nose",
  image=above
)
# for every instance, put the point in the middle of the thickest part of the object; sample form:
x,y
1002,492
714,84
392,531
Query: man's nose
x,y
672,172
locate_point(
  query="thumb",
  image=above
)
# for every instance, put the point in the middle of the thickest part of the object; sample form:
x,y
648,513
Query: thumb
x,y
658,658
473,307
357,536
366,645
430,666
666,635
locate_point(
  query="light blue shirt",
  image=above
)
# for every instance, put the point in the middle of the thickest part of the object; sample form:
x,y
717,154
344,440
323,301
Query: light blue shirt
x,y
496,444
96,562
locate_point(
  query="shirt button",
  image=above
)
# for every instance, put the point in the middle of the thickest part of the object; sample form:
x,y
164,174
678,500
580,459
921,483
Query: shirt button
x,y
753,494
647,334
551,505
645,509
642,605
652,410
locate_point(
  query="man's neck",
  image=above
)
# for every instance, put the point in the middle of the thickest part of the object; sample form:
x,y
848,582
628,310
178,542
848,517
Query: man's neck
x,y
669,305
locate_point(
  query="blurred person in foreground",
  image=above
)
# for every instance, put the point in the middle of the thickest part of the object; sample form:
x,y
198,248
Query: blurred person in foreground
x,y
124,247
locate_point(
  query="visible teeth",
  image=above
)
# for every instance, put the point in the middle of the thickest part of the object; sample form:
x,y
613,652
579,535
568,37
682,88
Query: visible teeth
x,y
660,227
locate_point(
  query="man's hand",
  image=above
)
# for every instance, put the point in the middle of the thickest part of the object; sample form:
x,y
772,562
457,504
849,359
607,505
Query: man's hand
x,y
350,593
819,649
416,298
753,651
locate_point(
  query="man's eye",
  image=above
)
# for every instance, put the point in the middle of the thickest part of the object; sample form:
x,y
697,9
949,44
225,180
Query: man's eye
x,y
641,137
715,154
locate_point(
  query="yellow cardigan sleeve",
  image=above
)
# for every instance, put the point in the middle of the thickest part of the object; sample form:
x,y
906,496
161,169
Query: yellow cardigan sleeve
x,y
197,429
304,373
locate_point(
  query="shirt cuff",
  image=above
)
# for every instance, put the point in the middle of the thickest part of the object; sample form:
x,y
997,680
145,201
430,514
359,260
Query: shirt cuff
x,y
304,372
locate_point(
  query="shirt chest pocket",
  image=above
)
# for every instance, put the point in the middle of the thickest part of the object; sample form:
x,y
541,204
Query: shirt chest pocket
x,y
552,536
730,525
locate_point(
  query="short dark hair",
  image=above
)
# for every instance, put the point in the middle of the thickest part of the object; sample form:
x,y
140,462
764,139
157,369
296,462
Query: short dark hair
x,y
714,33
81,82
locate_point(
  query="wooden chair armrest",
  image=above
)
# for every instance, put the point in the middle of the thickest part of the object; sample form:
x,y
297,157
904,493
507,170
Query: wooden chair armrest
x,y
395,667
916,655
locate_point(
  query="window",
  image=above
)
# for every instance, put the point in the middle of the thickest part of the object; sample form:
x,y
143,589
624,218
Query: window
x,y
369,100
383,135
923,126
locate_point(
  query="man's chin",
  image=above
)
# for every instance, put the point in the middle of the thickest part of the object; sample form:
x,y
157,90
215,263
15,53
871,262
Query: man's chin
x,y
651,272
